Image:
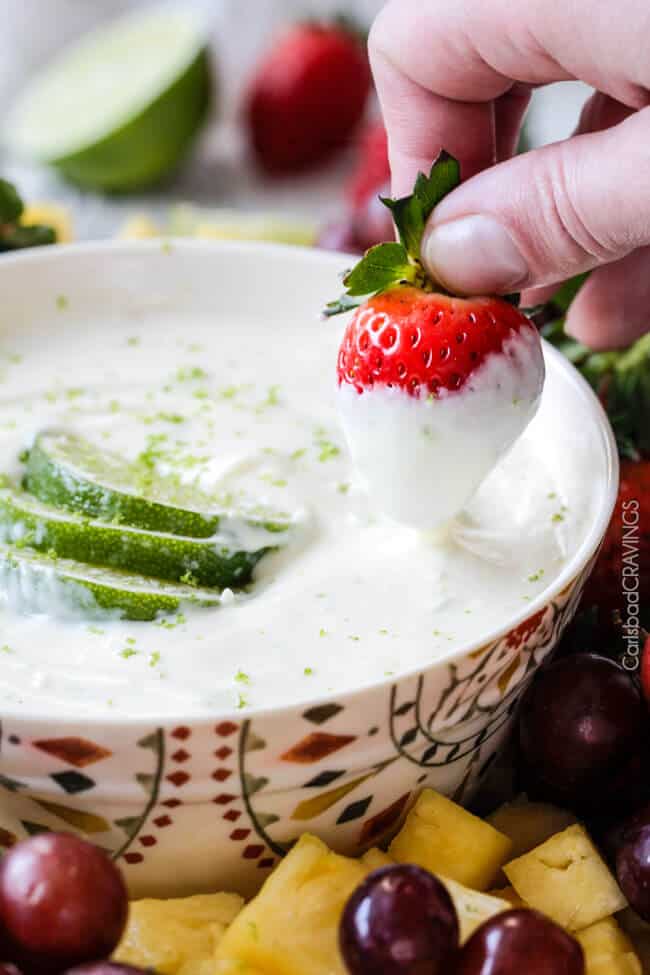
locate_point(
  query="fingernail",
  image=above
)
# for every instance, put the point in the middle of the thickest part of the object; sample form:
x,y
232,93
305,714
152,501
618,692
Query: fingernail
x,y
474,255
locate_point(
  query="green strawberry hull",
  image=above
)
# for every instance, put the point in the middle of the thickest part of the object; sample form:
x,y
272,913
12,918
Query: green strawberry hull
x,y
150,145
34,583
201,562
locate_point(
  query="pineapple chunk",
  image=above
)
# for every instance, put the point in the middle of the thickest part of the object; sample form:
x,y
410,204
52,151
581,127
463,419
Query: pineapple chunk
x,y
51,215
473,907
291,927
510,895
177,937
376,858
566,879
528,824
638,931
608,950
230,967
139,227
444,838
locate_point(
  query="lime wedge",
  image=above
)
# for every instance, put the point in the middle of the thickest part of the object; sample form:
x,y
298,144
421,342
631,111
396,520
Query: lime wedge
x,y
69,472
118,109
25,521
36,583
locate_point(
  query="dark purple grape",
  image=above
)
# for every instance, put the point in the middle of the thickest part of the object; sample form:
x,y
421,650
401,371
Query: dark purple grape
x,y
340,236
400,921
107,968
518,942
62,903
584,734
633,869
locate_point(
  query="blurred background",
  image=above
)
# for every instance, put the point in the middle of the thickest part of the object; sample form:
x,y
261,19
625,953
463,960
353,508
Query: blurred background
x,y
261,73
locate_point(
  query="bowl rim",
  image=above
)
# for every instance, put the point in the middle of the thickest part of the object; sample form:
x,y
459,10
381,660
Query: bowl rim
x,y
572,569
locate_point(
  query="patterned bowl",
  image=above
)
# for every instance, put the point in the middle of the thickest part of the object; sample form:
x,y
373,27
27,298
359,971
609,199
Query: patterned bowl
x,y
193,804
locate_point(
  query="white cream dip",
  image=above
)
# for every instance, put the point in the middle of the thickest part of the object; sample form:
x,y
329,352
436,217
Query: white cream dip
x,y
354,597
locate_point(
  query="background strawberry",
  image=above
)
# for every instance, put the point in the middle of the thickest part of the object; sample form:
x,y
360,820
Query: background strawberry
x,y
308,95
372,170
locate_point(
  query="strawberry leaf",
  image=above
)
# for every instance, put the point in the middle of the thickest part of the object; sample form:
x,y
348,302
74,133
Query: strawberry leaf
x,y
380,267
411,213
341,305
443,178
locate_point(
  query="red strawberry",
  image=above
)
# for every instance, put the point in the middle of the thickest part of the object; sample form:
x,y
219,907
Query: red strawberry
x,y
428,382
628,536
308,95
372,170
645,668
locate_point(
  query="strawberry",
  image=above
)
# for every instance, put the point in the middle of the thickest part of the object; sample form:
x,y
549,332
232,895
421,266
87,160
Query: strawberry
x,y
628,537
372,169
307,96
429,382
645,668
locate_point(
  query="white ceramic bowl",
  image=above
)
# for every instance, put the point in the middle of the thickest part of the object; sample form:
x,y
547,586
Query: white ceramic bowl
x,y
195,803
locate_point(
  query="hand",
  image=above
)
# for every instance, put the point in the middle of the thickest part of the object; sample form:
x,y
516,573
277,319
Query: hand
x,y
459,75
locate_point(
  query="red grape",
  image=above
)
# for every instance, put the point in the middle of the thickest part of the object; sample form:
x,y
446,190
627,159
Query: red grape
x,y
633,869
584,733
339,236
520,941
62,903
400,921
107,968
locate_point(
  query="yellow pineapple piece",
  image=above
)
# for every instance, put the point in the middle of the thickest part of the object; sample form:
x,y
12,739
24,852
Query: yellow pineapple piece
x,y
638,931
473,907
51,215
291,927
139,227
608,950
376,858
510,895
528,824
567,879
177,937
444,838
230,967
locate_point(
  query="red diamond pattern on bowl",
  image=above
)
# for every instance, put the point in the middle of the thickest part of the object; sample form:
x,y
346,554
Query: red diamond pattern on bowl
x,y
221,774
178,778
232,815
223,753
253,851
225,729
181,755
181,733
224,799
162,821
240,834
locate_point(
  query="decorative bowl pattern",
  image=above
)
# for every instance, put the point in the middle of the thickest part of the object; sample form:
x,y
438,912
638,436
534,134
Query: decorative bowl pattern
x,y
184,807
197,804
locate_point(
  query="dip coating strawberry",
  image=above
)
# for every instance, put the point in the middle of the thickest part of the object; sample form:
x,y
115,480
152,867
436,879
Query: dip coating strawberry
x,y
433,388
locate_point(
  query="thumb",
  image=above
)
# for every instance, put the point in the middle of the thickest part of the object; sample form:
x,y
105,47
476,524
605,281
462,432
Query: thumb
x,y
546,215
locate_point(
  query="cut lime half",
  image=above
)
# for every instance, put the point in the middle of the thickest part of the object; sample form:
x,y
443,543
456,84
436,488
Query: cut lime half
x,y
36,583
117,110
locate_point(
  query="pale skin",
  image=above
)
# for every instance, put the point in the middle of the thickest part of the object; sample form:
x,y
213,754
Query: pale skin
x,y
459,76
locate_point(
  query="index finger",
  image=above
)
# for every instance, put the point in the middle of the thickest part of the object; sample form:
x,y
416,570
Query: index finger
x,y
440,67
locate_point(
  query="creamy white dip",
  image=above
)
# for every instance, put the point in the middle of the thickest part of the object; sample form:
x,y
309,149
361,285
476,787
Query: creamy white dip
x,y
352,598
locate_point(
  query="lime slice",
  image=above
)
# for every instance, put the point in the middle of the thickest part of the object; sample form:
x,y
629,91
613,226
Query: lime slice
x,y
117,110
36,583
69,472
25,521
